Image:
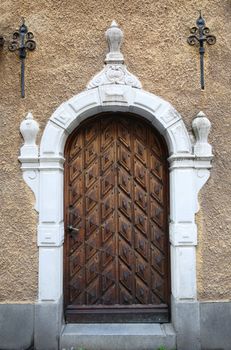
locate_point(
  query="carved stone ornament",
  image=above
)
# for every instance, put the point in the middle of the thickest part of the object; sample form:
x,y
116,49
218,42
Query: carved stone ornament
x,y
29,129
201,127
115,71
29,154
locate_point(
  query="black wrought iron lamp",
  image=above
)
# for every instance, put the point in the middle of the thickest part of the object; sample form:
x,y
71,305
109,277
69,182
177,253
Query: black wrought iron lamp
x,y
200,35
22,41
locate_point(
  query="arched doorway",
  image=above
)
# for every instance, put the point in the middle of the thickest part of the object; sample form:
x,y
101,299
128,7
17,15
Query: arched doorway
x,y
115,89
116,247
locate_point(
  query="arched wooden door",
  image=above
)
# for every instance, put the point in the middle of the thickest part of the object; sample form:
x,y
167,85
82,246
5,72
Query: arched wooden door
x,y
116,257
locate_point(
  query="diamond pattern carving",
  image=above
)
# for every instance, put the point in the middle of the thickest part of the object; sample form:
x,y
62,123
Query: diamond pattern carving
x,y
125,228
141,292
141,198
107,158
157,213
77,146
76,189
125,252
140,173
125,276
124,135
76,166
108,228
124,182
141,245
125,205
156,166
155,145
91,176
116,198
157,236
157,259
140,151
156,189
124,158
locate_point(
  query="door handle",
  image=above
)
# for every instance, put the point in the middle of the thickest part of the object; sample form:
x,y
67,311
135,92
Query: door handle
x,y
71,228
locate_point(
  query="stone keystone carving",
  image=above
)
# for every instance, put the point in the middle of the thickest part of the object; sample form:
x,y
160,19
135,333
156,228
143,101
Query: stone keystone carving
x,y
115,71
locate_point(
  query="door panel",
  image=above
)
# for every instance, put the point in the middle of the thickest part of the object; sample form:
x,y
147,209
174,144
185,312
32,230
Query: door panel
x,y
116,207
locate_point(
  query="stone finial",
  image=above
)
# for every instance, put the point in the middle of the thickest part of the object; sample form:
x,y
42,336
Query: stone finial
x,y
115,71
201,127
29,129
114,36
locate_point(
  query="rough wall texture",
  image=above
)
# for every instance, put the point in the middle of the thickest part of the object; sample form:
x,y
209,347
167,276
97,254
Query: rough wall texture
x,y
70,50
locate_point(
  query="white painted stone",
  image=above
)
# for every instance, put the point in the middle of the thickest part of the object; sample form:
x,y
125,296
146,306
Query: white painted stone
x,y
53,139
163,111
29,154
201,127
29,129
114,72
50,273
51,194
50,234
183,272
179,136
123,95
63,115
183,234
114,36
182,195
85,101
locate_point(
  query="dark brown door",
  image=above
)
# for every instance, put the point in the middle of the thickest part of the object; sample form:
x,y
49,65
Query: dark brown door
x,y
116,218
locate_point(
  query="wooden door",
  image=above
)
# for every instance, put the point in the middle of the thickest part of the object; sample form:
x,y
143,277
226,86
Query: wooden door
x,y
116,219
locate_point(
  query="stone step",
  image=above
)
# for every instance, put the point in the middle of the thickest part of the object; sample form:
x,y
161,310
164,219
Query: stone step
x,y
117,336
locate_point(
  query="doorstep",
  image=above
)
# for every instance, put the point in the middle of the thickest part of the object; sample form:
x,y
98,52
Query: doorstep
x,y
120,336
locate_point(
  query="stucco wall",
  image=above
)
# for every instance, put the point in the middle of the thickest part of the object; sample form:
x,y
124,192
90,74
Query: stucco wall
x,y
70,50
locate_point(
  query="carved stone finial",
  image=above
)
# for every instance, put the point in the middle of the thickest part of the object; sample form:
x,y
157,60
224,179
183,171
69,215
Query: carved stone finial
x,y
201,127
114,36
115,71
29,155
29,129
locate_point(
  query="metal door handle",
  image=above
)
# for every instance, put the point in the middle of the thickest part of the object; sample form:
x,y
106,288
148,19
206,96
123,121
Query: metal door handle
x,y
71,228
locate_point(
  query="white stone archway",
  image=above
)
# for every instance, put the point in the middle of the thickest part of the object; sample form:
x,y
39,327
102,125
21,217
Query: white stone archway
x,y
115,89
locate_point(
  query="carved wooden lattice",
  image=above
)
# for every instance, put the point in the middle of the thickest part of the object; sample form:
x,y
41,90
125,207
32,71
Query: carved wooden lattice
x,y
116,180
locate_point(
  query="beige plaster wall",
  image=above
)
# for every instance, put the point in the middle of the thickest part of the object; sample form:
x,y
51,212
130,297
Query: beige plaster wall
x,y
70,50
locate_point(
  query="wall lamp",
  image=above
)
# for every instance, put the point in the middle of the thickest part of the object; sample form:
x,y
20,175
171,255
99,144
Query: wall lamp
x,y
22,41
199,36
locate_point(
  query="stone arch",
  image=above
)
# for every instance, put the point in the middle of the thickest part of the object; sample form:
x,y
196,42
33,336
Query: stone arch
x,y
44,174
91,102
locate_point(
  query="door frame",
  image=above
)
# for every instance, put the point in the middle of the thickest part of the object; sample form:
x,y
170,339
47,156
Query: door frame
x,y
189,171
